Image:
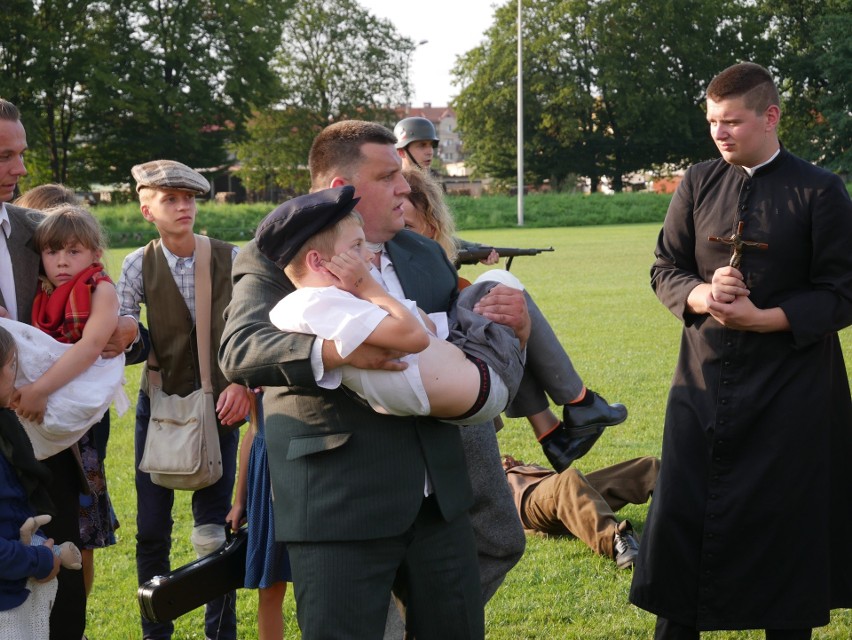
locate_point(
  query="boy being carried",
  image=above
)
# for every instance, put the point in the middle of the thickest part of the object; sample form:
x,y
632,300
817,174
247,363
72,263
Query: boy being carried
x,y
319,242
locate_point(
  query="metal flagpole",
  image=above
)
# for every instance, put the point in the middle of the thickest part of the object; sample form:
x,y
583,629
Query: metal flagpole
x,y
520,121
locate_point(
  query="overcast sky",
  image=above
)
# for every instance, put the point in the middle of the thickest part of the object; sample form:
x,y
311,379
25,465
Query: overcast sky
x,y
451,27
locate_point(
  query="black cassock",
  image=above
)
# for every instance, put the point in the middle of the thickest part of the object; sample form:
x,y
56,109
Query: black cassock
x,y
751,521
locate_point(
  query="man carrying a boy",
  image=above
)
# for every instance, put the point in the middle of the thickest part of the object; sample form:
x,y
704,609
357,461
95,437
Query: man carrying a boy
x,y
162,276
366,502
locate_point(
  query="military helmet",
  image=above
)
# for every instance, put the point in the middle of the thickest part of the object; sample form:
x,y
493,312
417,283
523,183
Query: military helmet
x,y
412,129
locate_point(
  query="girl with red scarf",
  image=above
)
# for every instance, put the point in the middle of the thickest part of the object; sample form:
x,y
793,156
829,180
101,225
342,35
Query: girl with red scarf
x,y
76,304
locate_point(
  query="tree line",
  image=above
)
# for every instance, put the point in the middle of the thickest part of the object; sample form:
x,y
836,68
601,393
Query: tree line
x,y
612,87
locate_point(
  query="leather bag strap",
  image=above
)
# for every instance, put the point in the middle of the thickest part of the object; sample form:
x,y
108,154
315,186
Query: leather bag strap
x,y
203,293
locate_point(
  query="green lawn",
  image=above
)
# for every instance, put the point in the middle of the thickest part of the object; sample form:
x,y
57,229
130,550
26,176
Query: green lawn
x,y
594,290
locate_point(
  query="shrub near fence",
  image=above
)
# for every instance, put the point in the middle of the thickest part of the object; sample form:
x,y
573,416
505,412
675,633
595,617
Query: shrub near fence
x,y
559,210
236,222
125,226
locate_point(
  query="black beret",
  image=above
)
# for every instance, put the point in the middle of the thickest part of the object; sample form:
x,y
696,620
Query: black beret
x,y
283,232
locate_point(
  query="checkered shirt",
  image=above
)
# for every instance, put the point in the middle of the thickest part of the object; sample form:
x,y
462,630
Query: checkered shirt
x,y
131,293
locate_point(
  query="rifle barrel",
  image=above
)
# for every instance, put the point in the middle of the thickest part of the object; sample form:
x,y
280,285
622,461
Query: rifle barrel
x,y
474,255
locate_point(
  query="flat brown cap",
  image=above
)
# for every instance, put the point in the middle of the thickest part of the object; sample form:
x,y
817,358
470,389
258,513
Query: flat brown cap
x,y
169,174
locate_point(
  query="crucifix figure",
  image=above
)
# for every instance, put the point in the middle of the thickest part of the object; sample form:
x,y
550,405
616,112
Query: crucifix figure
x,y
738,244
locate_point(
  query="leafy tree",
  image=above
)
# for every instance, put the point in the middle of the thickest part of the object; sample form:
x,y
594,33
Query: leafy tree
x,y
814,62
106,84
654,60
834,105
180,80
610,86
335,61
485,105
45,61
276,151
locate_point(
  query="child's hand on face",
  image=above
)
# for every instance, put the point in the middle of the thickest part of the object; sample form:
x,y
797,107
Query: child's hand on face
x,y
351,271
28,402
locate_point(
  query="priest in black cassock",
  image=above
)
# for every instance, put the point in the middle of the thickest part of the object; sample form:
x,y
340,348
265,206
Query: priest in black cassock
x,y
751,519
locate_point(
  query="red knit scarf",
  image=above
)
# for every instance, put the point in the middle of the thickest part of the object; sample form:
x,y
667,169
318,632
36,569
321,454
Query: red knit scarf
x,y
62,312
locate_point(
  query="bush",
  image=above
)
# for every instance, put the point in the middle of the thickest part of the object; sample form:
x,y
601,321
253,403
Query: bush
x,y
126,227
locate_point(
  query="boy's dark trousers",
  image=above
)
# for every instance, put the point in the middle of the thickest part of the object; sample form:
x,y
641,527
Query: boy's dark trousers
x,y
154,529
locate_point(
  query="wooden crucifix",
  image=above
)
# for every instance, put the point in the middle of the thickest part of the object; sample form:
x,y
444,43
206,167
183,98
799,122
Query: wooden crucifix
x,y
738,244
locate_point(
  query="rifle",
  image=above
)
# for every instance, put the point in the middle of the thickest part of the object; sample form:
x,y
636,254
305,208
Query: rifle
x,y
475,254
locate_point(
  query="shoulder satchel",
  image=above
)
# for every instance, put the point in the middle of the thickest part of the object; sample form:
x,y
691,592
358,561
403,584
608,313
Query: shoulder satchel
x,y
182,446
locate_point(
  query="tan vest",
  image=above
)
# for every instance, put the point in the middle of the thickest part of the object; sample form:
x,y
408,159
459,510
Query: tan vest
x,y
170,323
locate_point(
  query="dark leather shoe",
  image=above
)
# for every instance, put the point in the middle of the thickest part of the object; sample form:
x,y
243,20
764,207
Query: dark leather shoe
x,y
625,545
562,446
584,419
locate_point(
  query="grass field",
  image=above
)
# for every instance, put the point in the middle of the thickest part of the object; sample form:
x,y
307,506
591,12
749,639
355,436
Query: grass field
x,y
594,290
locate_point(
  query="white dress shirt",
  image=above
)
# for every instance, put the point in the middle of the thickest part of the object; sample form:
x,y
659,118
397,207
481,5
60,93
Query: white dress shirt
x,y
7,278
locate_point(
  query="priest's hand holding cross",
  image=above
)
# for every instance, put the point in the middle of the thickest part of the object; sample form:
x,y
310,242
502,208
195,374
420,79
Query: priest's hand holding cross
x,y
738,244
728,298
728,282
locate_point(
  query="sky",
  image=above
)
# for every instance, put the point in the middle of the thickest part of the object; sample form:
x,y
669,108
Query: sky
x,y
451,27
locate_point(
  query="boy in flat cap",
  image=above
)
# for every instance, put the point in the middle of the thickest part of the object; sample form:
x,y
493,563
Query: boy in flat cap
x,y
318,240
161,275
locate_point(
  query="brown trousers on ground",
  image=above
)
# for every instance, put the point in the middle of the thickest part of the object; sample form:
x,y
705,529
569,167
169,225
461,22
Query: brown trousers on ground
x,y
584,505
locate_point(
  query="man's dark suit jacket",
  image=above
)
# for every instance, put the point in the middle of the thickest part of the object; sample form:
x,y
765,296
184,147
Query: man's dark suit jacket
x,y
25,259
339,470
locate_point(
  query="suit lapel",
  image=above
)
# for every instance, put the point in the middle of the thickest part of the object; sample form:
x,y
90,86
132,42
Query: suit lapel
x,y
25,262
413,275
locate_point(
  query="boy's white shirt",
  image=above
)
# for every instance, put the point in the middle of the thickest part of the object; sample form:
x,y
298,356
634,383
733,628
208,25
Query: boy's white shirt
x,y
387,277
390,282
337,315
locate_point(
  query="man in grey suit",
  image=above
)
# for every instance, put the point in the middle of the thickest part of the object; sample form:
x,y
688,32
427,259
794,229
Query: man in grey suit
x,y
19,270
366,502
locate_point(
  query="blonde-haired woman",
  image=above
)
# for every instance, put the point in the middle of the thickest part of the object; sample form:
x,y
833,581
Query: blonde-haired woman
x,y
549,371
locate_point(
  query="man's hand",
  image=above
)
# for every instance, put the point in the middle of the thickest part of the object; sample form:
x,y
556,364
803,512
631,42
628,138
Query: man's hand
x,y
364,357
741,314
491,258
123,336
727,284
509,462
3,312
233,404
507,306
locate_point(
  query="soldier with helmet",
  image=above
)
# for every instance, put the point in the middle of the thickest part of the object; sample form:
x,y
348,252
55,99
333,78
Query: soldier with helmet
x,y
416,141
